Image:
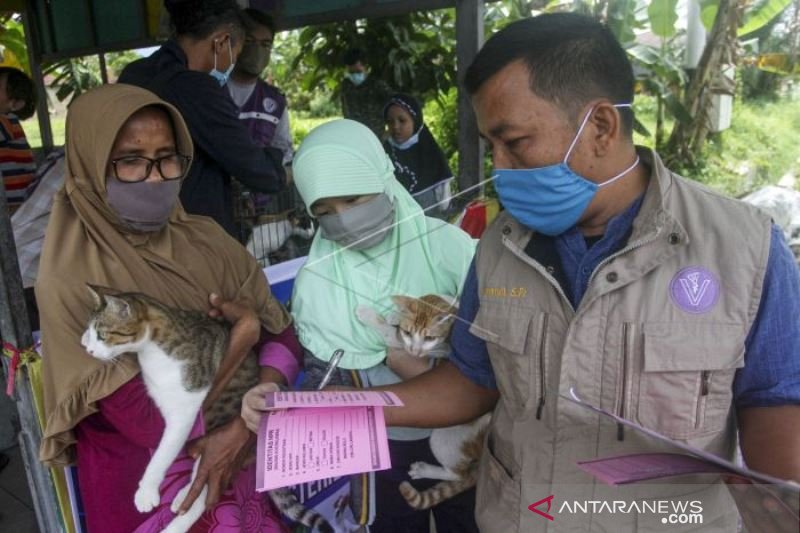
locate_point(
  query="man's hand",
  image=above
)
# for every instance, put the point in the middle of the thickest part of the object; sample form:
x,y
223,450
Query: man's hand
x,y
761,507
439,398
223,453
253,406
770,441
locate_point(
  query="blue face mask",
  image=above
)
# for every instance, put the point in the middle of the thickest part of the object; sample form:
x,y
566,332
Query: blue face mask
x,y
550,199
222,77
357,77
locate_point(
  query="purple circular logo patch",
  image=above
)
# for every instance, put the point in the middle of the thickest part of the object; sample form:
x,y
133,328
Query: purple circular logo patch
x,y
694,289
269,104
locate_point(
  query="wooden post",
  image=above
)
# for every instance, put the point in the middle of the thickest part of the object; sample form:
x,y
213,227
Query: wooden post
x,y
103,67
35,61
16,330
469,38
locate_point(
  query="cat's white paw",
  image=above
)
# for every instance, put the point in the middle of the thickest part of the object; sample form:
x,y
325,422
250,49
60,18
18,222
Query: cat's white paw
x,y
146,498
176,527
367,315
179,497
418,470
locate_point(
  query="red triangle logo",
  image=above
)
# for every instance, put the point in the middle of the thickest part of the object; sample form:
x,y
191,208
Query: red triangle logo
x,y
533,507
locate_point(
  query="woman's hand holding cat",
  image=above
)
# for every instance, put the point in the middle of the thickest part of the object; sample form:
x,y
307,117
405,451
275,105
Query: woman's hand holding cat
x,y
254,405
245,333
223,453
246,325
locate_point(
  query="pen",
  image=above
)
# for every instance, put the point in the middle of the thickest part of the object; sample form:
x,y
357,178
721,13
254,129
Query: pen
x,y
332,364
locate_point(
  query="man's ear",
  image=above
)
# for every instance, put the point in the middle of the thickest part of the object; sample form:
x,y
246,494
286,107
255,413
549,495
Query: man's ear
x,y
607,124
220,40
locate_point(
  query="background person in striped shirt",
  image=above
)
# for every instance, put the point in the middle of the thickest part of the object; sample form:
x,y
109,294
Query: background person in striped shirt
x,y
17,102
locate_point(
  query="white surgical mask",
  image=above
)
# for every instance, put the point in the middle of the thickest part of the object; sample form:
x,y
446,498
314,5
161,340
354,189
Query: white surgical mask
x,y
408,143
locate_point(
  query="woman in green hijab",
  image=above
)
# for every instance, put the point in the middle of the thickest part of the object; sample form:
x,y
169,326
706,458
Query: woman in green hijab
x,y
374,242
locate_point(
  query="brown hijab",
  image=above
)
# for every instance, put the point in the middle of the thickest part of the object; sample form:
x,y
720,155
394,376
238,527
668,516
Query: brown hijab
x,y
85,242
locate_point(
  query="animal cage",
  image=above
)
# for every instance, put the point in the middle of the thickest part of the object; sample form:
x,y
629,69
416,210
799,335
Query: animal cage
x,y
273,227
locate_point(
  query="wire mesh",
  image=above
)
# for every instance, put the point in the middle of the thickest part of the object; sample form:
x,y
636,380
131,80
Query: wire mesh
x,y
273,227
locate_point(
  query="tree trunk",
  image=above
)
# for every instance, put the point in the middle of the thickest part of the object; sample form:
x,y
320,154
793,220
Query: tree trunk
x,y
687,139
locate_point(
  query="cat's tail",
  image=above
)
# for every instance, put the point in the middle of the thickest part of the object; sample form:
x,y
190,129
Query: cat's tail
x,y
440,492
290,506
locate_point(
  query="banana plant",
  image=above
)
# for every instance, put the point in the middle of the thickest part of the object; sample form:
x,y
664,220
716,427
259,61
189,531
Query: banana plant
x,y
12,39
73,76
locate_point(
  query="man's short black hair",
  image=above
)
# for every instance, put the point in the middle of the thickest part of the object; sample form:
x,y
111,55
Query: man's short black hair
x,y
200,18
353,56
572,59
19,86
254,17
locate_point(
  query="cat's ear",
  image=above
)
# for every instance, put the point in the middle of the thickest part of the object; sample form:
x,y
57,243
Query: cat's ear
x,y
405,303
97,298
118,306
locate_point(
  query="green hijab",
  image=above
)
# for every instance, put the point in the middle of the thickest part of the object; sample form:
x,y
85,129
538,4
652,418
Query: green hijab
x,y
421,255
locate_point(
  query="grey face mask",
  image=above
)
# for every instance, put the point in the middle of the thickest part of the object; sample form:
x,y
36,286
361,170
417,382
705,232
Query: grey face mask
x,y
362,226
253,59
143,206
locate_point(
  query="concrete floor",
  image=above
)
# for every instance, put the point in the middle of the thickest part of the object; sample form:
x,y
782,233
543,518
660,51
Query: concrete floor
x,y
16,506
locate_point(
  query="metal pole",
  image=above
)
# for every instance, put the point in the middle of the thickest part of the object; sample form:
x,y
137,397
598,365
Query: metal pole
x,y
469,38
16,330
103,70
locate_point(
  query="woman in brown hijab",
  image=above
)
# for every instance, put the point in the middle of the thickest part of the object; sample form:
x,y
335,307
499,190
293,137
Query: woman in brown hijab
x,y
112,228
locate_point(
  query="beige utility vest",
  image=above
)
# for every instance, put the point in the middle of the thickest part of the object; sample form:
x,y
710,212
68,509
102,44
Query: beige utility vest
x,y
657,339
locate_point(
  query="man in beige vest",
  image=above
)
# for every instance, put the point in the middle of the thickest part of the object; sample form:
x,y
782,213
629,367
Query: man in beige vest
x,y
607,275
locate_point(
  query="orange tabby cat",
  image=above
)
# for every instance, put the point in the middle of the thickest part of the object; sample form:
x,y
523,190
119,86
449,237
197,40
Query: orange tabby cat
x,y
421,327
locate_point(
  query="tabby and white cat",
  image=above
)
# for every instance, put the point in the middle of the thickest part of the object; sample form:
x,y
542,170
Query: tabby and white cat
x,y
179,352
421,327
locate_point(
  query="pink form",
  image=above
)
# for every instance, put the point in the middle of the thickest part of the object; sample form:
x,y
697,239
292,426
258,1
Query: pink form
x,y
349,398
334,433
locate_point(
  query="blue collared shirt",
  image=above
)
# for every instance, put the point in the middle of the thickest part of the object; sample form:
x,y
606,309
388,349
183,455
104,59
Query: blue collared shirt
x,y
771,374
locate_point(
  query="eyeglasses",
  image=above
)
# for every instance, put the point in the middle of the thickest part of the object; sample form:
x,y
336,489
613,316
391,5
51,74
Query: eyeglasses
x,y
133,169
263,43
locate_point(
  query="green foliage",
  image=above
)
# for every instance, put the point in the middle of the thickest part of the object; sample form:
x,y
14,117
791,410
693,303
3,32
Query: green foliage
x,y
758,149
74,76
708,12
663,14
34,136
301,125
412,53
12,38
624,19
441,117
762,15
116,61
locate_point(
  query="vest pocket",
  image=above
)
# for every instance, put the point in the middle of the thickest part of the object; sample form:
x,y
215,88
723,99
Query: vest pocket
x,y
506,332
686,383
497,504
